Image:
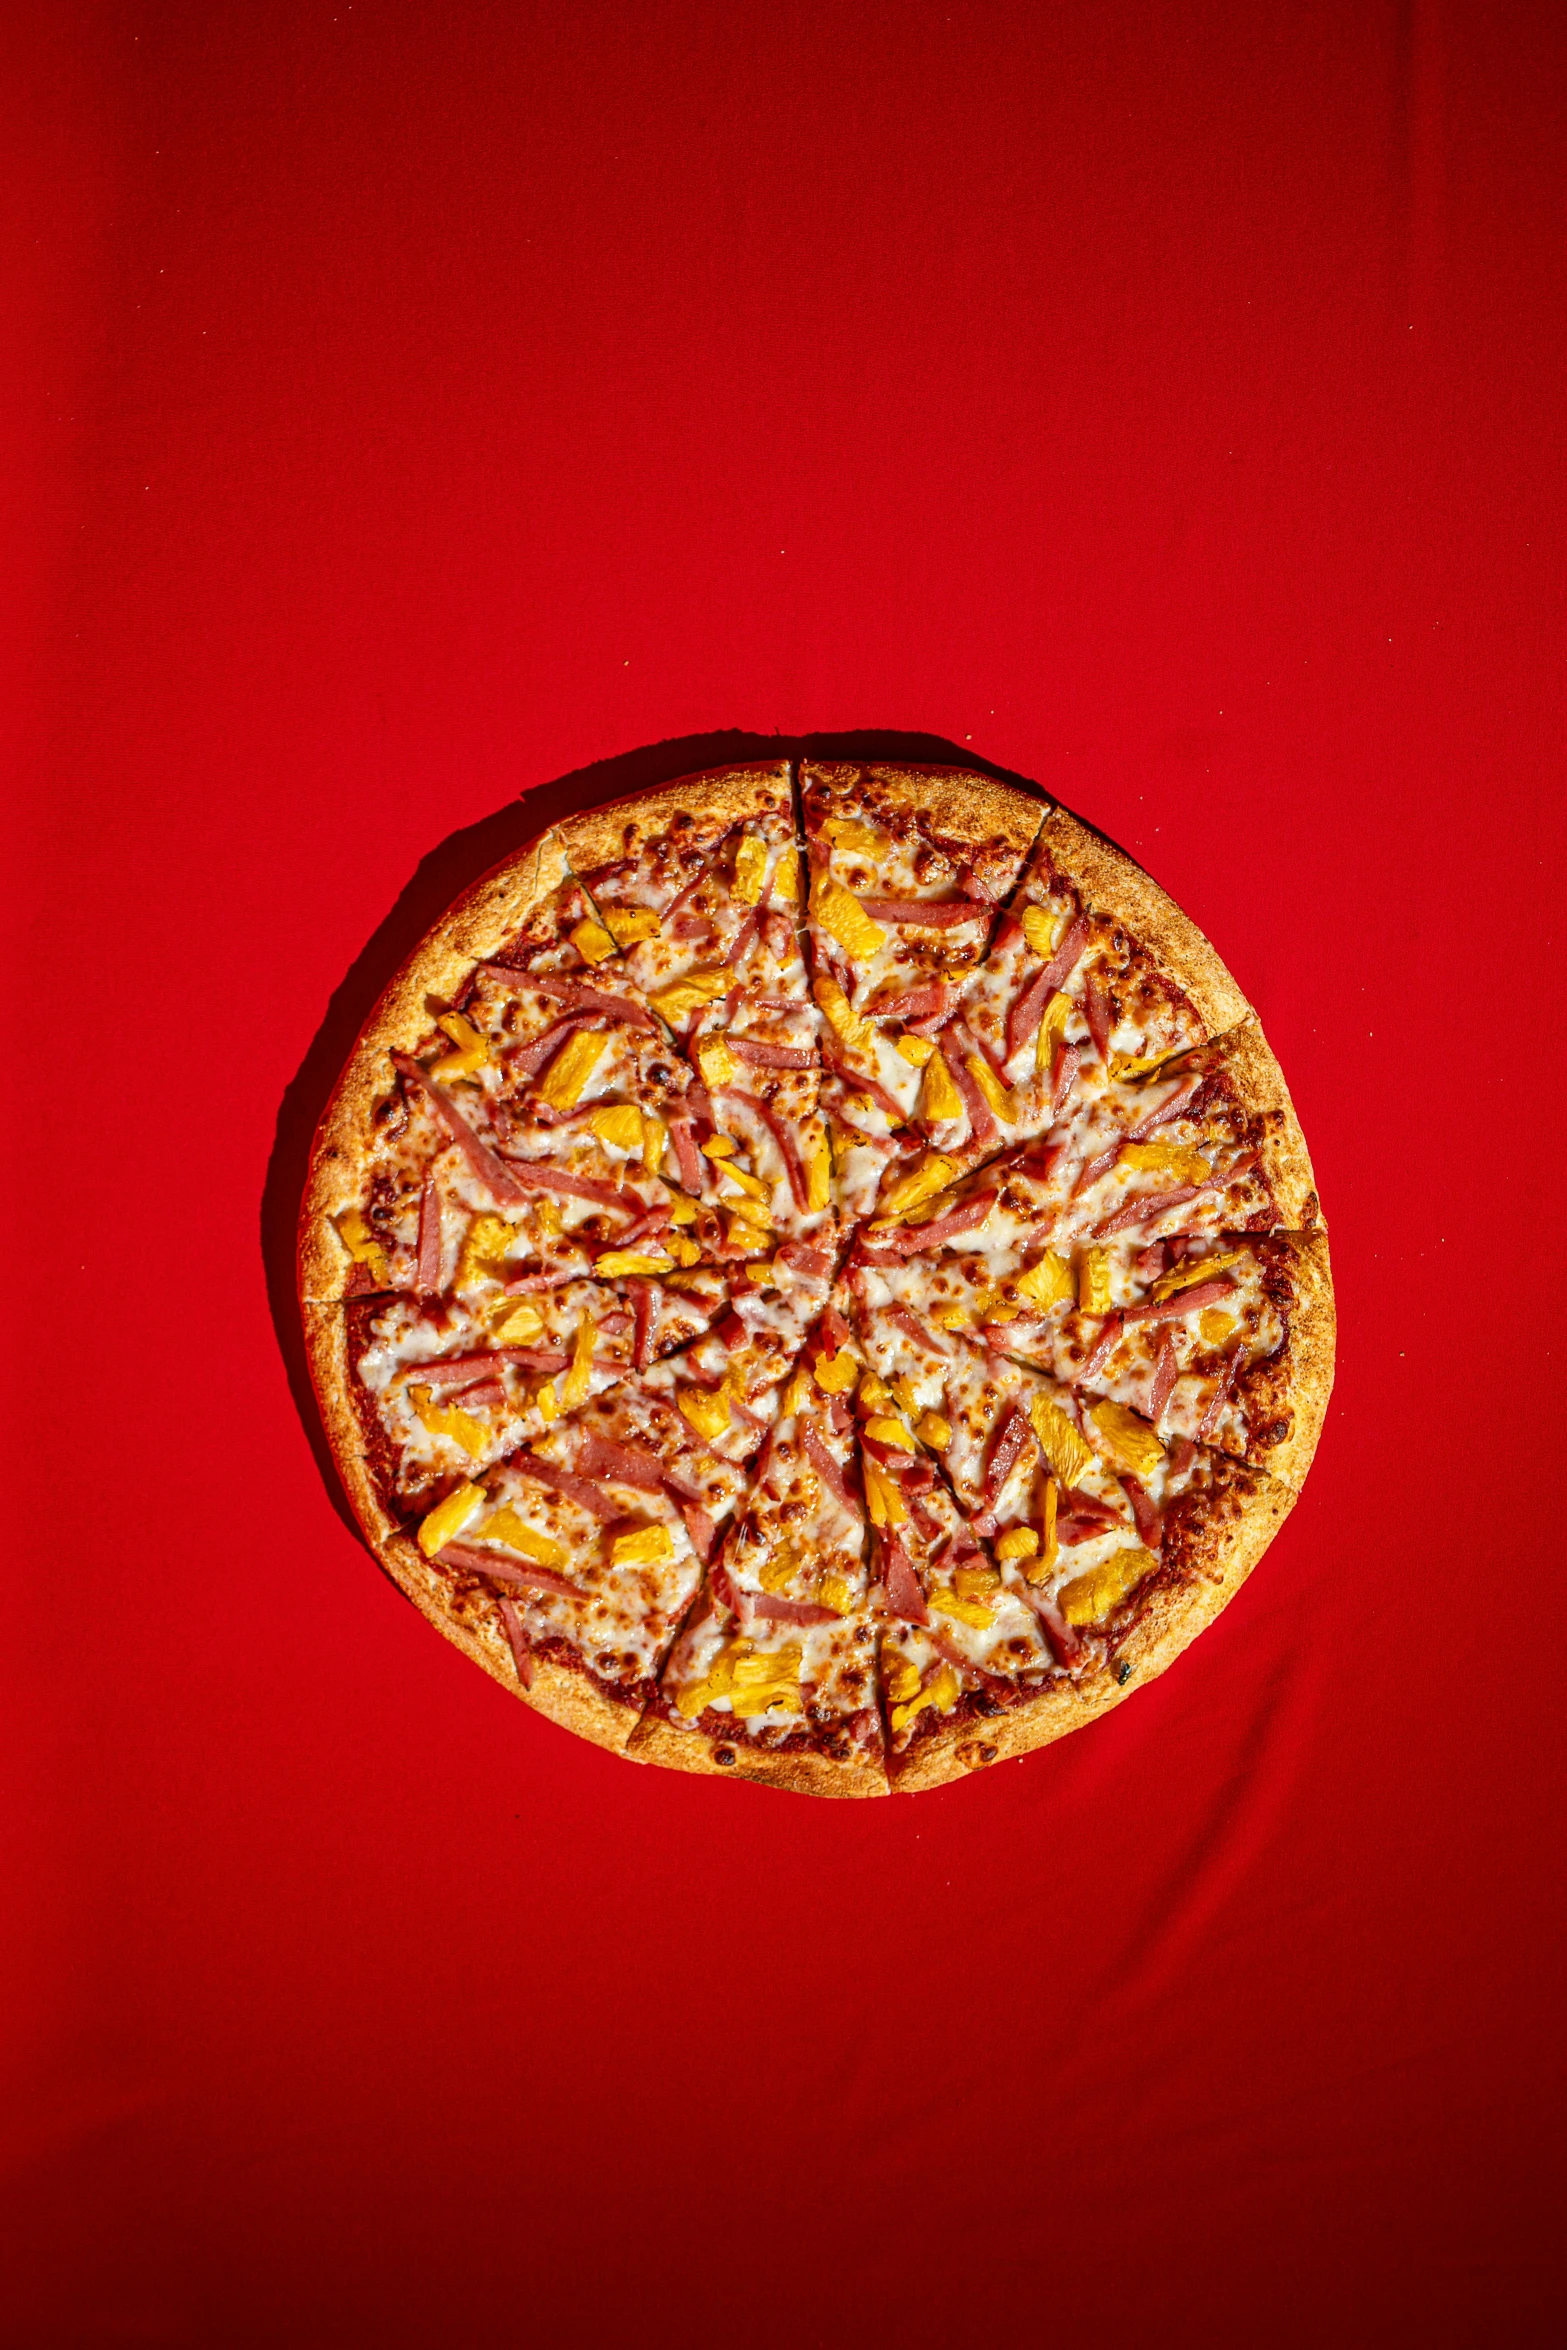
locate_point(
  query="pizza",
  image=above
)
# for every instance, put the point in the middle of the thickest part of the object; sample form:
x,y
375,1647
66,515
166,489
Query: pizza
x,y
812,1275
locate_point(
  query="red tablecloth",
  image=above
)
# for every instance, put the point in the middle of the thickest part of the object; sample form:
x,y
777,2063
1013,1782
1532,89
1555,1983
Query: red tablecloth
x,y
412,407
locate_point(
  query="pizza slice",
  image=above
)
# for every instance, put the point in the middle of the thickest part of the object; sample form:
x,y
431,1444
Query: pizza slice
x,y
1122,1544
773,1675
1226,1340
442,1387
908,870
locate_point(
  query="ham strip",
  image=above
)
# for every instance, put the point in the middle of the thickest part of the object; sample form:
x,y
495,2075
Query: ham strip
x,y
1015,1434
1185,1301
904,1595
809,1263
927,913
945,1646
859,1083
1149,1517
1104,1346
1062,1078
454,1371
1092,1169
1143,1211
701,1529
1221,1394
546,1359
788,1150
1166,1371
521,1572
1168,1109
913,1328
1028,1009
910,1003
427,1273
593,999
538,1175
766,1607
591,1498
526,1060
642,1324
743,937
495,1177
687,1157
1096,1011
517,1641
1064,961
911,1240
1062,1638
981,1118
629,1464
768,1056
827,1468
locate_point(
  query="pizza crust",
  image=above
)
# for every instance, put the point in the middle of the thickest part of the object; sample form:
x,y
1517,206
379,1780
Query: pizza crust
x,y
655,1741
482,921
1226,1548
1109,883
1246,1058
1299,1380
955,802
717,800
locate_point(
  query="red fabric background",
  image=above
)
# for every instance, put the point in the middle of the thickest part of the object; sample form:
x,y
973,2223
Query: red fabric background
x,y
412,407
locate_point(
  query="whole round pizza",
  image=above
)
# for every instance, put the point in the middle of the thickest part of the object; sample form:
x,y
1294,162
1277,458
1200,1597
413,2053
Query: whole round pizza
x,y
812,1274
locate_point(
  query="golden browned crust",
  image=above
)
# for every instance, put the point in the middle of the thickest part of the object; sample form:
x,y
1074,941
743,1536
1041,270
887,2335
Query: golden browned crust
x,y
473,1624
657,1741
1305,1369
1221,1553
717,800
332,1376
955,802
1109,883
1246,1058
480,923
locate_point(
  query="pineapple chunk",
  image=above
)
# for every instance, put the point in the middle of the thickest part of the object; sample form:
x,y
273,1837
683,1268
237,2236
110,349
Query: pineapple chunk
x,y
684,1252
976,1581
890,1432
547,1219
797,1396
654,1135
840,1013
706,1409
1166,1157
786,877
592,942
841,915
752,1185
616,1263
619,1124
1019,1542
1048,1282
750,870
992,1088
576,1381
943,1694
837,1374
883,1497
1215,1325
1089,1597
1050,1547
962,1611
692,993
933,1430
630,924
932,1175
939,1096
834,1591
546,1402
1093,1281
1194,1270
916,1050
362,1245
649,1546
719,1146
516,1321
464,1430
1059,1441
450,1517
900,1674
1051,1028
1128,1439
846,832
816,1157
571,1068
486,1246
874,1395
1041,929
472,1051
518,1535
715,1060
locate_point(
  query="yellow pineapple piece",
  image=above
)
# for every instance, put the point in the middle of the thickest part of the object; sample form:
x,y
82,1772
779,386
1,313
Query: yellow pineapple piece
x,y
715,1060
472,1051
934,1172
648,1546
619,1124
816,1157
750,870
1041,929
933,1430
1048,1282
1093,1281
362,1245
706,1409
1088,1598
990,1085
450,1517
691,993
1059,1441
786,877
628,925
916,1050
939,1096
592,942
442,1420
840,1014
841,915
1214,1325
506,1526
1019,1542
571,1068
1166,1157
1128,1439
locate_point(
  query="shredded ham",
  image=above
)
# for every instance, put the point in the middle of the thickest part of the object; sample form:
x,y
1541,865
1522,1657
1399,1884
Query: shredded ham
x,y
1062,1638
1171,1107
427,1266
1104,1346
809,1263
1065,959
1063,1076
1221,1394
909,1003
642,1324
526,1060
521,1572
537,1175
1096,1011
827,1468
945,1646
701,1529
1028,1009
1143,1211
1149,1517
629,1464
904,1594
1014,1435
768,1056
767,1607
687,1157
491,1172
1185,1301
928,913
981,1118
517,1640
743,937
858,1082
788,1149
593,999
902,1319
591,1498
1089,1174
913,1239
1166,1371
